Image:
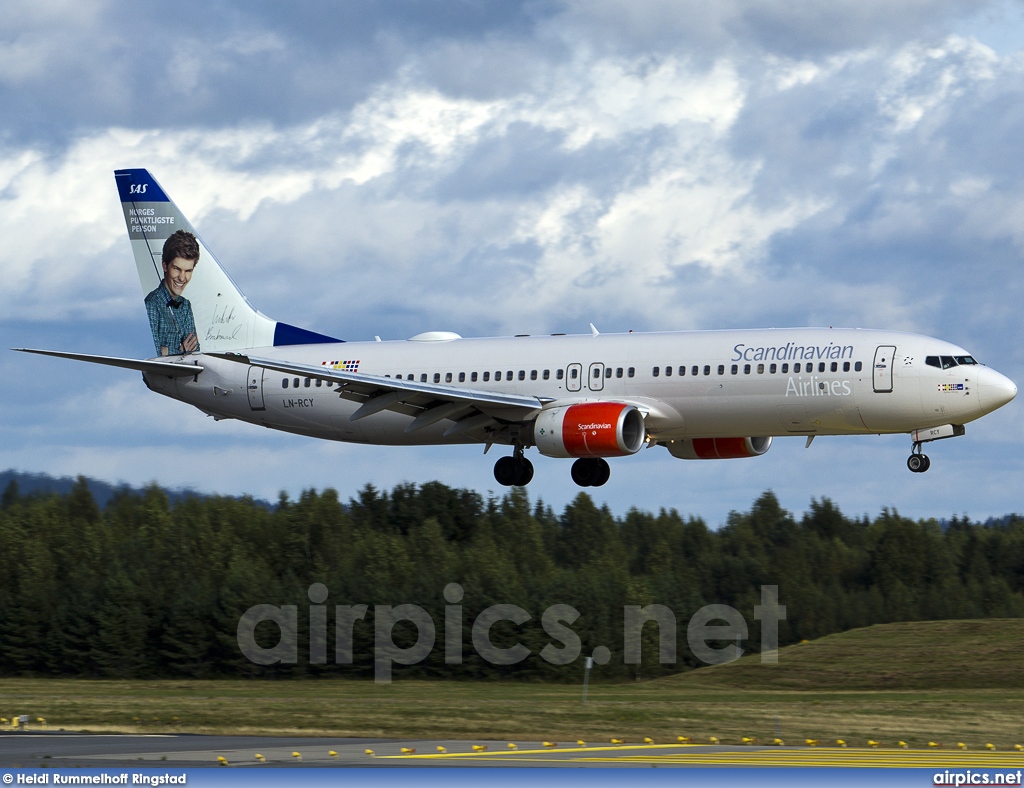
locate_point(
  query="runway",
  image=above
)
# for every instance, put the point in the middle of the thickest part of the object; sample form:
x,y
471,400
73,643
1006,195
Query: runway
x,y
85,750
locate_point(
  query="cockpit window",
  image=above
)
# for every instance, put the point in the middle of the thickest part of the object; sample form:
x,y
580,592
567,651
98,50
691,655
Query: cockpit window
x,y
965,360
948,362
933,361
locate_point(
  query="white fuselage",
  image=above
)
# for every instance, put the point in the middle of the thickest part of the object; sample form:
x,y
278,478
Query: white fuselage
x,y
764,382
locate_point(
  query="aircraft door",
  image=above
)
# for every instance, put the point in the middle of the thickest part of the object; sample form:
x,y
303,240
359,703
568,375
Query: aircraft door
x,y
254,387
595,380
573,377
883,368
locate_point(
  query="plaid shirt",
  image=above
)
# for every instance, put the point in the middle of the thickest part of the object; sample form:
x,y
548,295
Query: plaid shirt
x,y
170,319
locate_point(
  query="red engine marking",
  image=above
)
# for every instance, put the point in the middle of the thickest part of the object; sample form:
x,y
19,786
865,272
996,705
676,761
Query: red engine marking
x,y
589,429
720,448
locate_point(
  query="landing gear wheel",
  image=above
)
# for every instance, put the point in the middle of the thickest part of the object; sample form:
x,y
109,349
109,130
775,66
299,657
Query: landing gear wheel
x,y
513,471
506,471
590,472
525,472
919,463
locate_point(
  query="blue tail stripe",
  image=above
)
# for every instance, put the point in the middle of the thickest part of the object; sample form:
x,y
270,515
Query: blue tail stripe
x,y
285,334
138,186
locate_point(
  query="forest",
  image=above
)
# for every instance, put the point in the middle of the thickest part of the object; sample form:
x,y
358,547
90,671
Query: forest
x,y
146,587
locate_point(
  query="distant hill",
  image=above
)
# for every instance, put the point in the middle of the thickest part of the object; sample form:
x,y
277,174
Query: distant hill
x,y
102,492
969,654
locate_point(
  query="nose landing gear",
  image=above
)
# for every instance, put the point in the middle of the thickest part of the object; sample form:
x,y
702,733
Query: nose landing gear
x,y
918,462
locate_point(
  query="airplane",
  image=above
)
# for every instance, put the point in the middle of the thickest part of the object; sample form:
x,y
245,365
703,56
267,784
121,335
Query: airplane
x,y
702,395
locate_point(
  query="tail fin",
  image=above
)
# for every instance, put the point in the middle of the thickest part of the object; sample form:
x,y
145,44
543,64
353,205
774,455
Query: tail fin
x,y
211,305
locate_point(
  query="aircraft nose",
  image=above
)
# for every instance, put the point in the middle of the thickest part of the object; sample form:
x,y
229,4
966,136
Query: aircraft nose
x,y
994,389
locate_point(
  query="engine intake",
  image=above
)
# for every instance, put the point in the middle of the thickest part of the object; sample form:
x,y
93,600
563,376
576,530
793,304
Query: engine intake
x,y
718,448
589,429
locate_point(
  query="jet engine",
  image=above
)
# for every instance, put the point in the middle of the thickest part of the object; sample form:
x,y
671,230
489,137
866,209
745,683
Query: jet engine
x,y
589,429
718,448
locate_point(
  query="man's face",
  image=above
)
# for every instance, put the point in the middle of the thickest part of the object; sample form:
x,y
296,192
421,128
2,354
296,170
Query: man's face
x,y
177,274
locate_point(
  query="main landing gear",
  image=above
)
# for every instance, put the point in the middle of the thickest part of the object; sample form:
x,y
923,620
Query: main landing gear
x,y
590,472
514,471
517,471
918,462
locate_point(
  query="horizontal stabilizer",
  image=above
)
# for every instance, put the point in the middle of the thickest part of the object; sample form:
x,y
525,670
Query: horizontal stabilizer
x,y
171,368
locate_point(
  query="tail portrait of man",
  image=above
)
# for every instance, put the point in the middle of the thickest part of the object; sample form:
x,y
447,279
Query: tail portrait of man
x,y
170,313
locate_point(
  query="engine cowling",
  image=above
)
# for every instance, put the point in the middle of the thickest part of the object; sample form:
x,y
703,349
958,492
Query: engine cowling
x,y
590,429
718,448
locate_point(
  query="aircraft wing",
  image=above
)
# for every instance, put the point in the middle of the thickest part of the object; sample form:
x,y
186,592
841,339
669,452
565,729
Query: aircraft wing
x,y
470,409
171,368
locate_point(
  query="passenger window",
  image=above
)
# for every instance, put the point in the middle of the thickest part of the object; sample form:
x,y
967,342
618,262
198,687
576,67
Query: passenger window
x,y
760,369
306,382
693,370
508,375
796,367
462,377
533,374
487,376
437,377
735,369
821,366
472,377
284,383
410,376
682,371
618,372
319,383
846,366
423,377
948,362
858,367
746,369
573,373
447,377
772,368
834,366
522,374
631,371
707,369
497,375
559,374
721,369
546,374
597,374
295,382
656,371
607,372
668,372
785,368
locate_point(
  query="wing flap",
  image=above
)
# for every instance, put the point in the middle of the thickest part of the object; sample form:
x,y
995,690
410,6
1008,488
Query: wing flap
x,y
403,396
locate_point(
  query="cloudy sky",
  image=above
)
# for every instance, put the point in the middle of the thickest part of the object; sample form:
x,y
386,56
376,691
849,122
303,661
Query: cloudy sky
x,y
489,168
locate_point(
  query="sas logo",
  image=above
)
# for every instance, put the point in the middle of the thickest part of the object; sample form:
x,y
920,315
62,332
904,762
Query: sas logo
x,y
345,366
138,188
944,387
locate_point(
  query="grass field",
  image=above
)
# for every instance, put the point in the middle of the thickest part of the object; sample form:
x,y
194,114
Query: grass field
x,y
932,681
